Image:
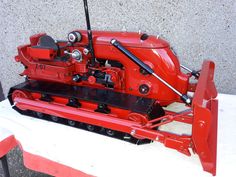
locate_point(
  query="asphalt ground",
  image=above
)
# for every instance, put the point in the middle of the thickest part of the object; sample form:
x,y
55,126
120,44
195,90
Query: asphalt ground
x,y
16,166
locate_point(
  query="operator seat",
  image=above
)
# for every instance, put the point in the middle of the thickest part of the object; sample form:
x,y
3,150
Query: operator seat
x,y
47,42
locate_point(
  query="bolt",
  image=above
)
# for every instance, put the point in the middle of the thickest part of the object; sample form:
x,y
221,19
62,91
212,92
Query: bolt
x,y
133,132
202,124
85,51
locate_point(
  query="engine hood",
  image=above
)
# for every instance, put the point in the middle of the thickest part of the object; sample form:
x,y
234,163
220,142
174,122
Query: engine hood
x,y
128,39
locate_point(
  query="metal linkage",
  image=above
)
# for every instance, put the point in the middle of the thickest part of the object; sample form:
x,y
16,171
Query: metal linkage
x,y
169,118
90,35
196,74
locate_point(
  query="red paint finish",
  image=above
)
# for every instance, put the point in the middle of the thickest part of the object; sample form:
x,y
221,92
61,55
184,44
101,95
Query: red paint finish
x,y
41,164
6,145
153,51
204,119
38,163
46,54
156,53
204,131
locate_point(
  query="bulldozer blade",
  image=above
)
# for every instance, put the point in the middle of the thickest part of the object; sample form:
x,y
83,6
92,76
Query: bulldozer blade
x,y
204,129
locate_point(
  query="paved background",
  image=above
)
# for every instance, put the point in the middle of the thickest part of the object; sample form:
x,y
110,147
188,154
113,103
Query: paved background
x,y
16,166
197,29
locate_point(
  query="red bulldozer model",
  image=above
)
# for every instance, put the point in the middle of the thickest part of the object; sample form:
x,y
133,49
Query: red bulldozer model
x,y
119,84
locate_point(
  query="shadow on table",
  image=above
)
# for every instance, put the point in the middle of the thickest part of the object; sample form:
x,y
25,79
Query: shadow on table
x,y
1,93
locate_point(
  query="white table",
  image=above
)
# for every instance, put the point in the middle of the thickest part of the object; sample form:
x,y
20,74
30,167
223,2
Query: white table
x,y
78,152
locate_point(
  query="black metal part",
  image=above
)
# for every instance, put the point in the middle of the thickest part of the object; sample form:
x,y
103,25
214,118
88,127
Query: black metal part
x,y
110,132
102,78
53,118
103,108
99,74
155,111
116,64
111,98
102,62
144,37
47,42
113,63
73,102
5,168
46,97
71,123
90,35
143,72
63,58
92,128
186,99
196,74
39,114
144,89
77,78
131,56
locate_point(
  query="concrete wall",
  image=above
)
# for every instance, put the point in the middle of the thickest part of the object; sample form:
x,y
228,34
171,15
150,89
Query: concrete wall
x,y
197,29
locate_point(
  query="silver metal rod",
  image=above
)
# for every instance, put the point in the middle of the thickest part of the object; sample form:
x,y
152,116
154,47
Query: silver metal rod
x,y
168,85
186,68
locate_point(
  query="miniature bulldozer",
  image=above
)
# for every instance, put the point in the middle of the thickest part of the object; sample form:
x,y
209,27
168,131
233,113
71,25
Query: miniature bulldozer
x,y
119,84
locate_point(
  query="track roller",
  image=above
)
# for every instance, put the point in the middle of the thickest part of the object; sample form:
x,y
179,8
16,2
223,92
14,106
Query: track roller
x,y
92,128
39,114
71,123
110,132
54,118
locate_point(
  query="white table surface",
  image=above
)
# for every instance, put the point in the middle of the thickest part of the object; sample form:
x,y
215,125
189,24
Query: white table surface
x,y
107,157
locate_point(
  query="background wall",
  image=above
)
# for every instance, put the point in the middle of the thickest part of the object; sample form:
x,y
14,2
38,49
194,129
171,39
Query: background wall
x,y
197,29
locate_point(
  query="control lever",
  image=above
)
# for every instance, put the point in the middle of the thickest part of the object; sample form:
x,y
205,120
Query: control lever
x,y
76,54
185,98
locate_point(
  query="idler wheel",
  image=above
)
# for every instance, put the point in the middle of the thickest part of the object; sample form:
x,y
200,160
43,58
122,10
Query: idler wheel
x,y
71,123
54,118
136,117
110,132
20,94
